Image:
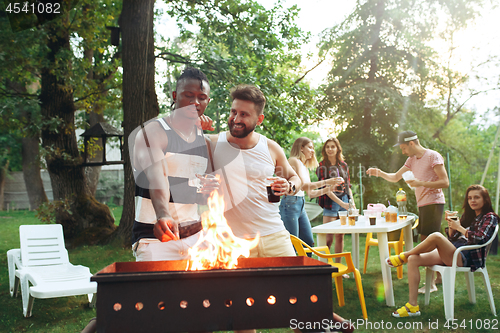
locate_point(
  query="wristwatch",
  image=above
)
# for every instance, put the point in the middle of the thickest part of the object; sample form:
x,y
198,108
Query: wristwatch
x,y
291,189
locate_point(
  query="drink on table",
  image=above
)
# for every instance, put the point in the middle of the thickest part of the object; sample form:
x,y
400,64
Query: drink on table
x,y
401,199
343,217
394,217
372,216
352,219
391,214
352,212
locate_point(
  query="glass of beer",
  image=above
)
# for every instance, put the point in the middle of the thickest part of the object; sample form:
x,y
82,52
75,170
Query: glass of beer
x,y
394,217
271,196
343,217
451,215
373,218
352,219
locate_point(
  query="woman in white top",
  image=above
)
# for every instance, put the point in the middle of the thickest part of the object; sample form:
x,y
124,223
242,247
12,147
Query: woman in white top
x,y
292,207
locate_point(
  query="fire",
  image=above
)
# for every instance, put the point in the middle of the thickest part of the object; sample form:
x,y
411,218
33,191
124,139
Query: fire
x,y
219,248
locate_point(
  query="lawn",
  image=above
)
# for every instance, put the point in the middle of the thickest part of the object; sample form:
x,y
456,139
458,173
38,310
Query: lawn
x,y
71,314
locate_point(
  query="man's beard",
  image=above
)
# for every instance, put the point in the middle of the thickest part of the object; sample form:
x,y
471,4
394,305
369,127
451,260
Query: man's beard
x,y
240,133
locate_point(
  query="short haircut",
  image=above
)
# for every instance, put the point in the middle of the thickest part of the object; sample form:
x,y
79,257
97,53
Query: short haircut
x,y
192,73
246,92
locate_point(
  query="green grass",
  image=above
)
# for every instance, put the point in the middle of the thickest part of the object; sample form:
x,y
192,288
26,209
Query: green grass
x,y
65,314
71,314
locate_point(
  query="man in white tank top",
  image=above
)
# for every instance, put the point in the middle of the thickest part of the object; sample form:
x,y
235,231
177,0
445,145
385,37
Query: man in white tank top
x,y
246,160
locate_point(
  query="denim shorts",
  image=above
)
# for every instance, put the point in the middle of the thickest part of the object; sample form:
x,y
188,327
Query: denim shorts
x,y
334,212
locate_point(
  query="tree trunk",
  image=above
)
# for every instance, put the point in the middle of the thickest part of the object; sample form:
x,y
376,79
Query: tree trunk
x,y
31,171
3,175
86,220
30,156
92,173
140,102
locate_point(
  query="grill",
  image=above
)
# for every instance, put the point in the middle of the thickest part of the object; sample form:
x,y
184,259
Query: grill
x,y
260,293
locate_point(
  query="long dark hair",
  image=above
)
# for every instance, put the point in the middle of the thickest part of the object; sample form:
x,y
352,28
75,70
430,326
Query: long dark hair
x,y
469,214
339,156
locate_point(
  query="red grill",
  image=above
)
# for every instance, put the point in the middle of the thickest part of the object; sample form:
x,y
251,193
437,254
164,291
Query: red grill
x,y
261,293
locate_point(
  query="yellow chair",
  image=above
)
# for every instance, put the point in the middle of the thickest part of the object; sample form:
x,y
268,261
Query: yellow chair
x,y
302,250
396,245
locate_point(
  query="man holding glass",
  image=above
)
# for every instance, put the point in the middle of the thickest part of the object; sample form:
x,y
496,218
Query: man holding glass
x,y
167,154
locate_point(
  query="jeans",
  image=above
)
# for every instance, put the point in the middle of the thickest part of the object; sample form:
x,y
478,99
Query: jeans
x,y
293,214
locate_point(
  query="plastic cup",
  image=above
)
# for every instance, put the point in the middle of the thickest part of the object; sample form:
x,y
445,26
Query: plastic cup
x,y
408,175
391,217
352,219
451,214
207,176
271,197
343,217
372,217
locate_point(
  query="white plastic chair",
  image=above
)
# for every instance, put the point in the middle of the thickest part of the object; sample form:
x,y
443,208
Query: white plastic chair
x,y
45,265
13,262
449,273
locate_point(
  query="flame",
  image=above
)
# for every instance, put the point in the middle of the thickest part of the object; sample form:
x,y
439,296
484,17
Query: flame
x,y
219,248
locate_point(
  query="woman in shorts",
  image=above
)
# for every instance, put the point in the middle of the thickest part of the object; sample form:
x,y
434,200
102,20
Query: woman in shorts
x,y
292,207
333,166
476,226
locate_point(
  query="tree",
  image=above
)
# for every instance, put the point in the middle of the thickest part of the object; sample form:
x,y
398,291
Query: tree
x,y
86,220
382,70
21,111
454,87
140,102
100,93
53,59
241,42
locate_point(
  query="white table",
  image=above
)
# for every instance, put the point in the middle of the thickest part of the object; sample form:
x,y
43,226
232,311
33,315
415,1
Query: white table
x,y
381,229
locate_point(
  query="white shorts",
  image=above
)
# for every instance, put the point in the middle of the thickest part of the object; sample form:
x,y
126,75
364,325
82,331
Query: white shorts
x,y
274,245
154,250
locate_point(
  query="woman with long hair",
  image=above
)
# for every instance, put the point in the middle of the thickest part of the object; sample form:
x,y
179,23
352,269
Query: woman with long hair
x,y
292,207
334,166
476,226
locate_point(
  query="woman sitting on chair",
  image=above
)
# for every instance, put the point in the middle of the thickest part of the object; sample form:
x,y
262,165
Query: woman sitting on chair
x,y
475,227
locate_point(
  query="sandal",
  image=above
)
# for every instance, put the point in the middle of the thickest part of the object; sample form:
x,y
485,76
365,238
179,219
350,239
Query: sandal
x,y
396,261
403,311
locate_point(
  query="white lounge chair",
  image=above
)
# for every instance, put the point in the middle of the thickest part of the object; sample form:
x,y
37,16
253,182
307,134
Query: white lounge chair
x,y
449,273
44,264
13,262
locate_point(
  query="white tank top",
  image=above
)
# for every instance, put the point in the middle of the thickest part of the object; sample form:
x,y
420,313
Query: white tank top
x,y
305,180
243,180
